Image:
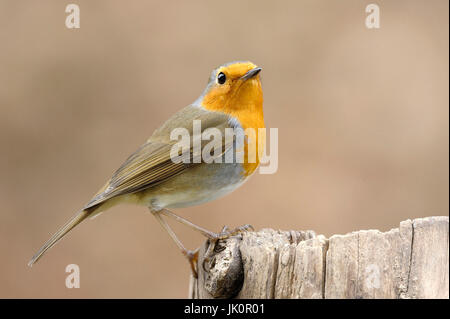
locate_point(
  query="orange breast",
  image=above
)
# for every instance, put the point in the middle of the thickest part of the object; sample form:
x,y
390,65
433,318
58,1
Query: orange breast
x,y
244,102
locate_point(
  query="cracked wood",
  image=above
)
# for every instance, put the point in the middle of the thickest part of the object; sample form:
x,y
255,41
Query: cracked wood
x,y
410,261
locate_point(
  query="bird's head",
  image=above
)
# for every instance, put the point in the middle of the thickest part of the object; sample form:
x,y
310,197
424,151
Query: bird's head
x,y
234,88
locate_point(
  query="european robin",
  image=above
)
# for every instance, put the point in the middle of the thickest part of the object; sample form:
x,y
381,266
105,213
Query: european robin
x,y
233,99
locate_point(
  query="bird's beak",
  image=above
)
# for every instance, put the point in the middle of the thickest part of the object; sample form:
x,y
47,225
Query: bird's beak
x,y
250,74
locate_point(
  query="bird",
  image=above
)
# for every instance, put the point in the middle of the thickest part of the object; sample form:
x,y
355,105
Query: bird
x,y
150,177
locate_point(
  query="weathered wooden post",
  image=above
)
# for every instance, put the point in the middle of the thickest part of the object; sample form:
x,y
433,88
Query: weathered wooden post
x,y
411,261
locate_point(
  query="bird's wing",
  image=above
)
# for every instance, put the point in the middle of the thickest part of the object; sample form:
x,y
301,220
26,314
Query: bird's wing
x,y
151,164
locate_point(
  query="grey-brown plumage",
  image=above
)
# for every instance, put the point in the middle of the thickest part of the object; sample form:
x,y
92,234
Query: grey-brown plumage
x,y
149,166
150,177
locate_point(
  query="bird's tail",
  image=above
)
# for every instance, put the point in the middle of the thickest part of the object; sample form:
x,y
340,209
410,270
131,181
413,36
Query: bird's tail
x,y
78,218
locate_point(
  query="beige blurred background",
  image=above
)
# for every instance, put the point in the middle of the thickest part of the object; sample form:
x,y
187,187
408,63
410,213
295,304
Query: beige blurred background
x,y
362,117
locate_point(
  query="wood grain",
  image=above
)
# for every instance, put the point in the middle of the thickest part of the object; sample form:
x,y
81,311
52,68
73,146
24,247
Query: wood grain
x,y
411,261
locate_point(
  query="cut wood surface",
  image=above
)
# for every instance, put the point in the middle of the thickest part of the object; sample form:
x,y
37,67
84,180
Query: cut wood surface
x,y
411,261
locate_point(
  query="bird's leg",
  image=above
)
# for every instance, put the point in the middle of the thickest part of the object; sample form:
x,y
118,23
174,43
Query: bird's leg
x,y
192,256
224,234
213,238
208,234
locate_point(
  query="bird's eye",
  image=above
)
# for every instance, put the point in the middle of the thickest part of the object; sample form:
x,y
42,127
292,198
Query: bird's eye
x,y
221,78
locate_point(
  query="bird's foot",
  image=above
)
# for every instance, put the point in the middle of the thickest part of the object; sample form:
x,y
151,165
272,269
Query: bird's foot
x,y
226,233
214,240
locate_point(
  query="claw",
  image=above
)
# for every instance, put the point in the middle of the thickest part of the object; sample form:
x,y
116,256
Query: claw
x,y
192,256
225,233
246,227
214,242
250,227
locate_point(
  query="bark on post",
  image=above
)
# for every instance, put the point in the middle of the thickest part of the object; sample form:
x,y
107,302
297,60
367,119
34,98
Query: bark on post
x,y
411,261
